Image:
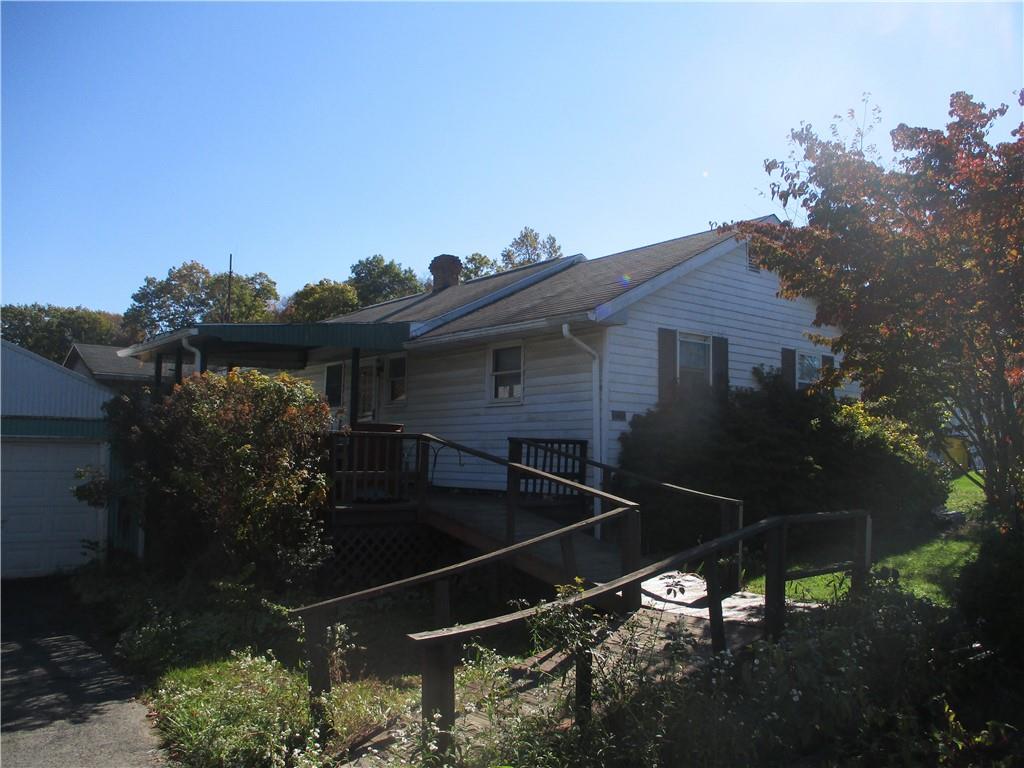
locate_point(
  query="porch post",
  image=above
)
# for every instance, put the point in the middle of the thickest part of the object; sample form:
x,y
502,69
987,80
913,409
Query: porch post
x,y
353,389
158,375
179,365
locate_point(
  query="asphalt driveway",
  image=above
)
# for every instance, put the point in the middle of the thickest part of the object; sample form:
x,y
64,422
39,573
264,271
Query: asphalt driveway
x,y
61,703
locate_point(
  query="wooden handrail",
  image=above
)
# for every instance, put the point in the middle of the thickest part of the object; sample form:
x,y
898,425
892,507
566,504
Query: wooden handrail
x,y
699,552
460,567
631,474
693,554
438,646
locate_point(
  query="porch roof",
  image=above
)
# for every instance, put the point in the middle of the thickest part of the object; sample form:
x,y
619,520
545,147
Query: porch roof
x,y
271,345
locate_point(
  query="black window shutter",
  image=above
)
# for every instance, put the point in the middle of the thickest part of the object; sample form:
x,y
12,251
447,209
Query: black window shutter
x,y
668,363
720,365
789,367
828,362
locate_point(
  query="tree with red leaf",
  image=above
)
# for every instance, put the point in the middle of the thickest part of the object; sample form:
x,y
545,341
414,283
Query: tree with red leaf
x,y
920,266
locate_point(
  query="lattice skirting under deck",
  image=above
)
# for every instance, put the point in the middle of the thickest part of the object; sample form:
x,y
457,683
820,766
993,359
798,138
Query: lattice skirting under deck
x,y
365,556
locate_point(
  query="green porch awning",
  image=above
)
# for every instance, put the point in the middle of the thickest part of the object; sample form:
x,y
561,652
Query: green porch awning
x,y
272,345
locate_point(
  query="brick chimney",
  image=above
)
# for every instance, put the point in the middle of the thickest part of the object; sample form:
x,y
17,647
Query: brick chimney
x,y
445,270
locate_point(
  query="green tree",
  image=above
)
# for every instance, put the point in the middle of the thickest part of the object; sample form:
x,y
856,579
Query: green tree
x,y
376,280
227,472
320,301
478,265
919,265
252,298
191,294
528,248
50,330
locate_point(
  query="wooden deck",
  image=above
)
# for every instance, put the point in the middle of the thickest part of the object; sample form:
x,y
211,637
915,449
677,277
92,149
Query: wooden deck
x,y
478,520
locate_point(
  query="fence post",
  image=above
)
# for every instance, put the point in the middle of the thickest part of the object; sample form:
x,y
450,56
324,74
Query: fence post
x,y
515,456
631,593
739,548
438,697
422,477
715,604
731,517
861,554
319,670
775,580
584,686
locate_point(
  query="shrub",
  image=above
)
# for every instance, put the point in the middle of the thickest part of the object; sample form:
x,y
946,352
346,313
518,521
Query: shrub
x,y
781,451
869,680
227,472
251,711
991,594
155,624
246,711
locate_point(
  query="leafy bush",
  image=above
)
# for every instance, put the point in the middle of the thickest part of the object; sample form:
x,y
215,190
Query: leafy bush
x,y
227,472
155,624
875,680
781,451
251,711
991,594
247,711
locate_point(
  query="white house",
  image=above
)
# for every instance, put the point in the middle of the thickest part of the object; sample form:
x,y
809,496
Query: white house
x,y
566,348
52,424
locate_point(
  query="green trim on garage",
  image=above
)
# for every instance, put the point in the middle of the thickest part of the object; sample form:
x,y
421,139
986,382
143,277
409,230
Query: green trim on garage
x,y
28,426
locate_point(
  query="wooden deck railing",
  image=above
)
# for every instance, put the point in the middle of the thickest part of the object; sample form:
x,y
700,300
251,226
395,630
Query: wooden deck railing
x,y
557,456
318,617
730,509
439,647
376,468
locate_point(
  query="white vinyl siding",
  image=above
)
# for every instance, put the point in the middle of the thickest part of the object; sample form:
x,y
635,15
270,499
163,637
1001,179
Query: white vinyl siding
x,y
722,298
448,396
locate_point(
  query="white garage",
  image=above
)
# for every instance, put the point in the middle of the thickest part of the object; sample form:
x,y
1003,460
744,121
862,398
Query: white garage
x,y
52,424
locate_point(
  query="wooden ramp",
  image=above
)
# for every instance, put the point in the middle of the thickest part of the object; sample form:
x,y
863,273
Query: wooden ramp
x,y
478,520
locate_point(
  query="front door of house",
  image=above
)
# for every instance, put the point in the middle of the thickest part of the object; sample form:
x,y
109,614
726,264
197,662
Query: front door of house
x,y
367,392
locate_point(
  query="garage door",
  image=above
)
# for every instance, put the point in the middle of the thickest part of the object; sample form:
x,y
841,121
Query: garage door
x,y
44,526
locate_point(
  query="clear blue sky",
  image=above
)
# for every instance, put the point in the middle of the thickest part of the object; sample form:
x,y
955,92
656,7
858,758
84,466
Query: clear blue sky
x,y
304,137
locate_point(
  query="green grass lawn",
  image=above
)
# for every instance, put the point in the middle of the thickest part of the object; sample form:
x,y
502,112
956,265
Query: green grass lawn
x,y
927,558
965,496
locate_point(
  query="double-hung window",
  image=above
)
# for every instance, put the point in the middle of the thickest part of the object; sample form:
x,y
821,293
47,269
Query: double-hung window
x,y
333,384
506,385
694,362
808,369
396,379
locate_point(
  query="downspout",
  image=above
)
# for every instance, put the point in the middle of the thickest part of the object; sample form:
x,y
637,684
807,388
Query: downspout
x,y
198,353
595,378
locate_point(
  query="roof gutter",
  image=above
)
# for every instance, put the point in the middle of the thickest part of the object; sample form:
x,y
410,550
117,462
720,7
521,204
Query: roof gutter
x,y
488,333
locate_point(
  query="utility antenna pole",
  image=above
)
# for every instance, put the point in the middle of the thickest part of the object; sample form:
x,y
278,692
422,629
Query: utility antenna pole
x,y
230,276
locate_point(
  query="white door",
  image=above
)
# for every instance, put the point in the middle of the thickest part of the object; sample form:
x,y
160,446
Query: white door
x,y
44,526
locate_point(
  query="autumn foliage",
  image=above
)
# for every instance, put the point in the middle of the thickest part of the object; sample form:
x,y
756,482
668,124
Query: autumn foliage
x,y
227,473
919,263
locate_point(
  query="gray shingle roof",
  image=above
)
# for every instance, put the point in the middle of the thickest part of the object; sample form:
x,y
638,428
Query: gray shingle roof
x,y
102,360
426,306
585,285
